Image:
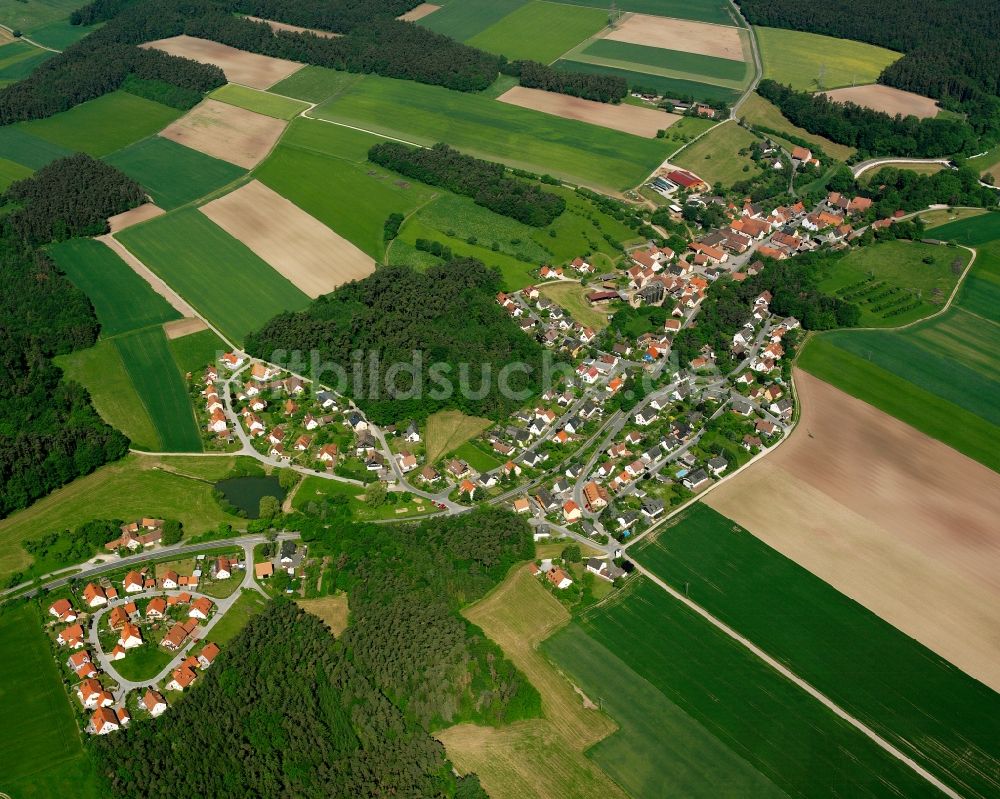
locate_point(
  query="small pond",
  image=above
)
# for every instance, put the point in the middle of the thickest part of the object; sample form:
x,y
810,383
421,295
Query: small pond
x,y
245,492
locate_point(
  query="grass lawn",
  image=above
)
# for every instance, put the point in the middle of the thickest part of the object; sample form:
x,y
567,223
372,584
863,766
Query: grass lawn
x,y
660,83
213,271
195,351
100,370
160,384
933,712
262,102
896,265
447,430
21,147
144,663
171,173
11,171
540,31
796,58
489,129
315,84
315,489
331,609
715,156
758,111
463,19
104,125
700,67
525,758
572,297
352,199
933,219
43,755
249,604
657,740
123,300
475,457
138,485
715,11
773,725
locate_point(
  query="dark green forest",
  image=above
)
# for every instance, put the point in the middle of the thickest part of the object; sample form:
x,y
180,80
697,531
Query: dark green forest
x,y
284,711
588,85
485,182
50,434
447,315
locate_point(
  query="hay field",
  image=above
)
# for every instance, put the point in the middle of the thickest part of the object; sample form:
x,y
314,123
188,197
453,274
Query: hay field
x,y
540,31
447,430
539,757
332,610
463,19
887,99
226,132
250,69
262,102
419,12
718,41
893,519
304,250
626,118
796,58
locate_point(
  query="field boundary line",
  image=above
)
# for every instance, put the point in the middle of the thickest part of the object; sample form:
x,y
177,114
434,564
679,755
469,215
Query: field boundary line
x,y
305,115
32,42
788,674
978,316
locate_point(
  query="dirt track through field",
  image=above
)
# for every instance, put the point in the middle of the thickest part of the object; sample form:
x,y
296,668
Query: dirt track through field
x,y
250,69
143,271
627,118
136,215
686,36
284,26
892,518
296,244
886,98
419,12
227,132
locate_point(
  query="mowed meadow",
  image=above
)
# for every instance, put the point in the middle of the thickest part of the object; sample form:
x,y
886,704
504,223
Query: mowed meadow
x,y
941,376
933,712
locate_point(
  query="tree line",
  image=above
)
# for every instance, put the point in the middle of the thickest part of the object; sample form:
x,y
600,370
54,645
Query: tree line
x,y
589,86
485,182
285,710
447,315
50,433
894,188
872,133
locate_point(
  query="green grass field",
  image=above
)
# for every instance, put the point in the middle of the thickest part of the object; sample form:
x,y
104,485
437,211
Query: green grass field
x,y
489,129
249,604
171,173
60,34
796,58
27,15
715,156
657,740
104,125
123,300
448,430
195,351
989,163
941,376
11,171
540,31
705,67
19,59
138,485
463,19
701,10
758,111
100,370
217,274
661,84
761,717
315,84
933,712
896,265
30,151
352,199
572,297
475,457
262,102
43,754
160,385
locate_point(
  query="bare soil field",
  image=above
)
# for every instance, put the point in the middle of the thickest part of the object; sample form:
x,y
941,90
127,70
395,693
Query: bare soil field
x,y
886,98
539,757
892,518
627,118
184,327
297,245
284,26
142,213
419,12
250,69
147,274
225,131
331,609
683,35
